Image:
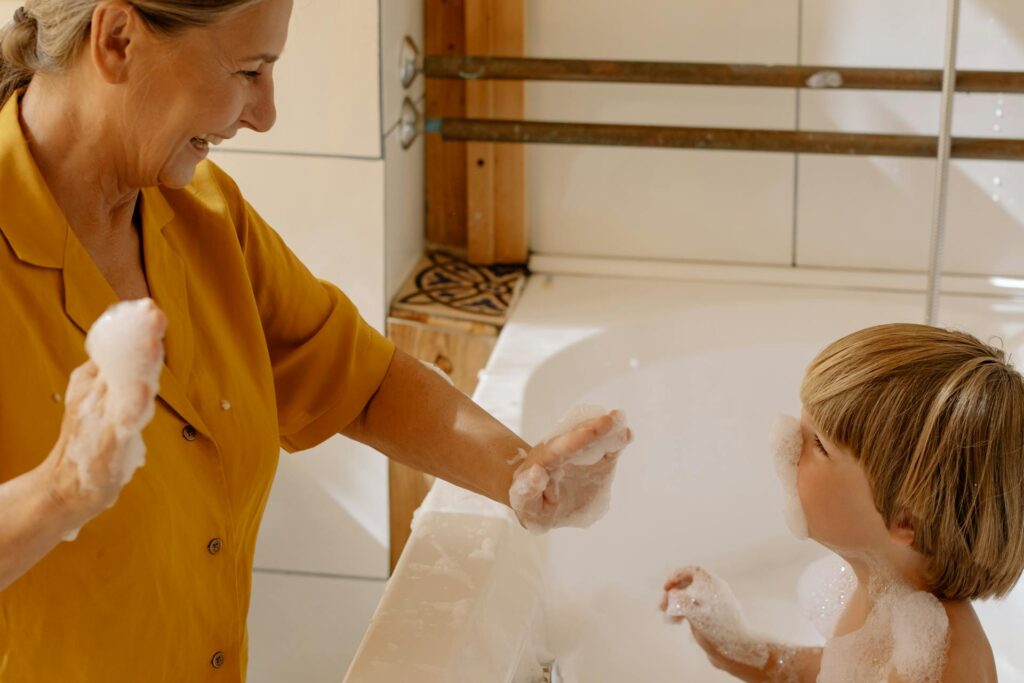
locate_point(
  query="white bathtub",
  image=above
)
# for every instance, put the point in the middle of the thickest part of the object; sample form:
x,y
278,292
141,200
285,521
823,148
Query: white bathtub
x,y
701,369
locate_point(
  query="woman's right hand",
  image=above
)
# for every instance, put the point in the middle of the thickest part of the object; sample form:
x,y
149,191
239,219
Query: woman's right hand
x,y
99,438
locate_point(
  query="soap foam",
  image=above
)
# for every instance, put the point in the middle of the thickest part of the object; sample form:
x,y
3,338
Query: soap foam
x,y
615,440
824,591
711,608
906,631
786,441
120,344
537,494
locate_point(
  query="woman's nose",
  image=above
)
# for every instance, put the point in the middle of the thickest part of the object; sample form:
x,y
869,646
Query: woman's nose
x,y
262,112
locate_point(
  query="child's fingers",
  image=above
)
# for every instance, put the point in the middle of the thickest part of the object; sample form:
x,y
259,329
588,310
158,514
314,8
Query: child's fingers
x,y
680,580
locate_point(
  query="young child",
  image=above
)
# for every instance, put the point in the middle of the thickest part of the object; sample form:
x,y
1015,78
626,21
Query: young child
x,y
908,463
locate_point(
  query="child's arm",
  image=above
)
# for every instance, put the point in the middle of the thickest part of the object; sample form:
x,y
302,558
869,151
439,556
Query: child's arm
x,y
719,627
785,662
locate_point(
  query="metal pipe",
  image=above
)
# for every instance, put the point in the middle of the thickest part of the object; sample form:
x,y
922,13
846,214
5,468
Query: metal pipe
x,y
945,145
738,139
682,73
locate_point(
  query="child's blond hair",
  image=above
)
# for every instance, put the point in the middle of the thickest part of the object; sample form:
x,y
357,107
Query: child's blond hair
x,y
936,419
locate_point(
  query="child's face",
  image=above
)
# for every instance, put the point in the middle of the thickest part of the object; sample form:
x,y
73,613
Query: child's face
x,y
835,494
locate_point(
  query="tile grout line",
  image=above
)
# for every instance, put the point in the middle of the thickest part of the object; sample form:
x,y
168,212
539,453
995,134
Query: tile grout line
x,y
319,575
796,157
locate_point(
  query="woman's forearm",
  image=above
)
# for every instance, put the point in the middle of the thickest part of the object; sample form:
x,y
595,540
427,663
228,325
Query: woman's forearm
x,y
33,520
418,419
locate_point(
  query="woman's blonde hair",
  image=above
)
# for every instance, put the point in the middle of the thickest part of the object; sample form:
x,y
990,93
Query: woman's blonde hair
x,y
46,35
936,419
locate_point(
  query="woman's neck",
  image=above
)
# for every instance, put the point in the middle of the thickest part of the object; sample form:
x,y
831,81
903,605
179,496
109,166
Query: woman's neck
x,y
77,158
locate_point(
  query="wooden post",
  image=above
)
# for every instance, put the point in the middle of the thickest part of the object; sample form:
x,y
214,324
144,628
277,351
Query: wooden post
x,y
445,34
495,190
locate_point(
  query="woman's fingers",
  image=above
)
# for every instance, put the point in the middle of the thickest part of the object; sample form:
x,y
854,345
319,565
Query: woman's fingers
x,y
579,437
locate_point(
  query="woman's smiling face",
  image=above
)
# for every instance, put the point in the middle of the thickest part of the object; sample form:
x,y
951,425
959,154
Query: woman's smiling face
x,y
197,87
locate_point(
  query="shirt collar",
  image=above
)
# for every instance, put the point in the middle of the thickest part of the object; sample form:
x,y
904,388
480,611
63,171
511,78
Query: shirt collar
x,y
30,218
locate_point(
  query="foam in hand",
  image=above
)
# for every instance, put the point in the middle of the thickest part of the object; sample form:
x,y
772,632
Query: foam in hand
x,y
614,441
711,608
786,441
585,495
120,344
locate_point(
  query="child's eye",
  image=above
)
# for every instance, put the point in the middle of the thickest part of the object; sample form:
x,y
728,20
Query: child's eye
x,y
817,444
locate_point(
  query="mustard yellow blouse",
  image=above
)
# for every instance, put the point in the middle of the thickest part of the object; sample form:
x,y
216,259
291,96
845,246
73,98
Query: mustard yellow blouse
x,y
260,355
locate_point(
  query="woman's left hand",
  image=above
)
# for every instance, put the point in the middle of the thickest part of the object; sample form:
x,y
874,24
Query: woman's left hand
x,y
566,481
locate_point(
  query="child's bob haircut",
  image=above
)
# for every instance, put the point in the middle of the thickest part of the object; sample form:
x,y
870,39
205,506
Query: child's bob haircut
x,y
936,419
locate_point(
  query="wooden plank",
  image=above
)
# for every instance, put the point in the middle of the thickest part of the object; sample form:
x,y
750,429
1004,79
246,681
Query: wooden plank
x,y
495,195
445,34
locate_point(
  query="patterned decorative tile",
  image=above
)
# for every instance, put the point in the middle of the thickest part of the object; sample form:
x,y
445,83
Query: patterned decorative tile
x,y
447,286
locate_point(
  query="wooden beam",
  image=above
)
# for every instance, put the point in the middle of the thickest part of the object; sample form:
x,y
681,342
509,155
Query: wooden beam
x,y
445,34
732,139
495,182
468,67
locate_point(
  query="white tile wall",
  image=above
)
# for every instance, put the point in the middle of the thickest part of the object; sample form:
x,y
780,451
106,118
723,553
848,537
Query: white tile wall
x,y
399,18
662,203
305,629
329,211
405,168
405,210
877,212
327,83
849,212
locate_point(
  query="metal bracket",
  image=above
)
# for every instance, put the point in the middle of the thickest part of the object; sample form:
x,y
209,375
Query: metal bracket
x,y
410,124
409,62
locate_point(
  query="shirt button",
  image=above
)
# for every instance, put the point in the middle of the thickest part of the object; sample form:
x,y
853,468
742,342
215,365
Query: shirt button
x,y
189,433
214,546
217,661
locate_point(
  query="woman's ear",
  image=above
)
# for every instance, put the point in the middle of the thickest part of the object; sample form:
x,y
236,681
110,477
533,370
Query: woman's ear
x,y
114,27
901,531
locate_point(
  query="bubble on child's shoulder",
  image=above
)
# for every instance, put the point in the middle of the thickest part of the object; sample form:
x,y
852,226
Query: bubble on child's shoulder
x,y
905,632
920,630
824,591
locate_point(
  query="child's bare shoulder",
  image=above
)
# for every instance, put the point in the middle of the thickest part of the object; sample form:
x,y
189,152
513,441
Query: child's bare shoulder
x,y
969,657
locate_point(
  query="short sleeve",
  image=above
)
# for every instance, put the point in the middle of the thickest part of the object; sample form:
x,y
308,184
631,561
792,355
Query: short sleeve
x,y
327,361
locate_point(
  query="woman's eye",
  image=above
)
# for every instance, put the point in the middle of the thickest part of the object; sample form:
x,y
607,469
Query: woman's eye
x,y
821,449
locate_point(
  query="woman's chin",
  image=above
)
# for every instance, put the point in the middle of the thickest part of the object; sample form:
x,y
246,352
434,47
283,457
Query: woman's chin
x,y
178,177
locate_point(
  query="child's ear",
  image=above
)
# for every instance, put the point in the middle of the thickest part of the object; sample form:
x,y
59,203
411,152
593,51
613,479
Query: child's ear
x,y
901,531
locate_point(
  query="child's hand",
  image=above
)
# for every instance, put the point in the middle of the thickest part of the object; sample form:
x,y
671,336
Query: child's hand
x,y
566,481
695,595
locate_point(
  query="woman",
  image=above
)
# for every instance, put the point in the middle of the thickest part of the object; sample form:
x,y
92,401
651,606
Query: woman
x,y
108,111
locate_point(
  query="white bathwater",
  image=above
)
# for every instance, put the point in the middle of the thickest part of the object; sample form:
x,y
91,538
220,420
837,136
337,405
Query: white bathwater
x,y
702,370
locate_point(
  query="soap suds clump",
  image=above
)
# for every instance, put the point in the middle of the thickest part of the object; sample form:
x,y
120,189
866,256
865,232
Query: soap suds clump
x,y
907,632
824,590
124,345
576,490
708,603
786,440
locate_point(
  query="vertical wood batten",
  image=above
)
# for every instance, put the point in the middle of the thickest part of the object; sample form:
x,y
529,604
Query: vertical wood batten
x,y
495,183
